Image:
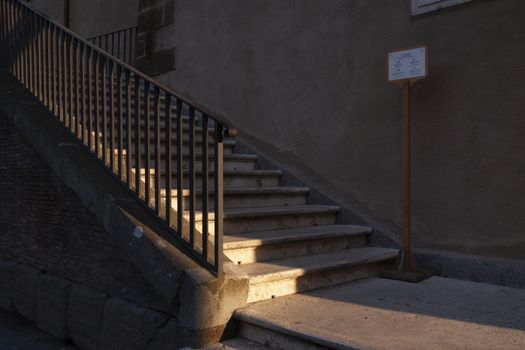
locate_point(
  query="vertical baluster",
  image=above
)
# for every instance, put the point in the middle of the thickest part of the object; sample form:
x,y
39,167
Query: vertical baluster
x,y
111,145
191,161
46,63
157,148
54,71
147,143
30,51
73,117
3,18
137,136
81,118
63,66
96,110
204,185
219,183
34,53
104,133
128,128
118,45
60,66
132,42
88,100
24,46
167,113
180,189
11,36
120,124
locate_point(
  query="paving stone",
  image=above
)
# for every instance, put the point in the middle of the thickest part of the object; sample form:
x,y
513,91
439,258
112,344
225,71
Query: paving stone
x,y
127,326
6,273
24,287
51,309
84,316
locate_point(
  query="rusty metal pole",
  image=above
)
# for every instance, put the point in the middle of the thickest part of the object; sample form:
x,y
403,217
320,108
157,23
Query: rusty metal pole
x,y
407,262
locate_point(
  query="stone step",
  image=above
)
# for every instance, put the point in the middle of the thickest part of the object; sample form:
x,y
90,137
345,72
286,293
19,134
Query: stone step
x,y
292,275
232,178
270,218
249,197
246,248
273,218
235,344
231,162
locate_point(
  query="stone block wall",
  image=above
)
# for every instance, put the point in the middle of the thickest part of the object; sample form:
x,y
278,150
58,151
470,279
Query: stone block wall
x,y
89,318
44,226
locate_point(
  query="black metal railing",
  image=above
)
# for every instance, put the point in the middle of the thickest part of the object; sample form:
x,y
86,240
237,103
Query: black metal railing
x,y
120,44
164,148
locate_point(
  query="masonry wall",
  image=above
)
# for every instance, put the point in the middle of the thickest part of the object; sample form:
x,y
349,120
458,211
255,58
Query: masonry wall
x,y
304,81
90,18
44,226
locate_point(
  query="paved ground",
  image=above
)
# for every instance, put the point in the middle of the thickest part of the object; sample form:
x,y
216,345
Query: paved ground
x,y
438,313
18,334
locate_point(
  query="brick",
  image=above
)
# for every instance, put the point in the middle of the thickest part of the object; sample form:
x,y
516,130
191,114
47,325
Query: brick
x,y
127,326
24,288
84,316
6,274
51,309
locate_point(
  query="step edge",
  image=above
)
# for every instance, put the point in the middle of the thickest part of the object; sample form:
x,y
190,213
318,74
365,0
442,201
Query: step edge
x,y
254,243
298,272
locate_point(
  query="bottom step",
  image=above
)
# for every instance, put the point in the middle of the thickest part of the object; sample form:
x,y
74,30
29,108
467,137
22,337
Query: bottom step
x,y
236,344
292,275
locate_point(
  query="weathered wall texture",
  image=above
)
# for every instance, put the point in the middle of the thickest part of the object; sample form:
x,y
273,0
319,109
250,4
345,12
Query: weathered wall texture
x,y
305,83
44,225
92,17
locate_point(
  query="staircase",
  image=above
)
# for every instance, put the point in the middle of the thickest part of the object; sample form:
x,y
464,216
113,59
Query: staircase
x,y
284,243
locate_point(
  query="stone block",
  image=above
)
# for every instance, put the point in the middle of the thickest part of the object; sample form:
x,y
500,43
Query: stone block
x,y
84,316
51,308
169,334
24,288
127,326
6,294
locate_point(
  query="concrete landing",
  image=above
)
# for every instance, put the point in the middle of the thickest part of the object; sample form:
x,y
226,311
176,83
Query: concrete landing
x,y
18,334
437,313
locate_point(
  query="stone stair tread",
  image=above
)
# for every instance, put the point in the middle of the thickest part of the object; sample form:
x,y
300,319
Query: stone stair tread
x,y
226,172
226,157
247,191
262,272
236,344
261,212
239,213
255,239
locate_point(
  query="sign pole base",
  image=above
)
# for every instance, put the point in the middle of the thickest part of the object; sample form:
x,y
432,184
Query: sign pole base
x,y
407,269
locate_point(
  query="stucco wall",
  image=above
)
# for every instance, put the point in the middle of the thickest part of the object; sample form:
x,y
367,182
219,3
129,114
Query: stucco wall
x,y
305,83
92,17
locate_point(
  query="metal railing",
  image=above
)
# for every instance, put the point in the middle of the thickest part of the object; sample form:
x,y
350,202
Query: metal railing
x,y
164,148
120,44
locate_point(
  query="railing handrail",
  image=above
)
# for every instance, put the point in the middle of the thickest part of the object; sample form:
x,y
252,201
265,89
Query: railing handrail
x,y
117,113
114,32
231,130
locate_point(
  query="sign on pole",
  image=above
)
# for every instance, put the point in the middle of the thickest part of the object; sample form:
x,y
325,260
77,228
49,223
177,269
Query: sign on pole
x,y
408,65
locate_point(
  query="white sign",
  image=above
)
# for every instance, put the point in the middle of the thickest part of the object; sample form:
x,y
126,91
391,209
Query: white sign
x,y
423,6
407,64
